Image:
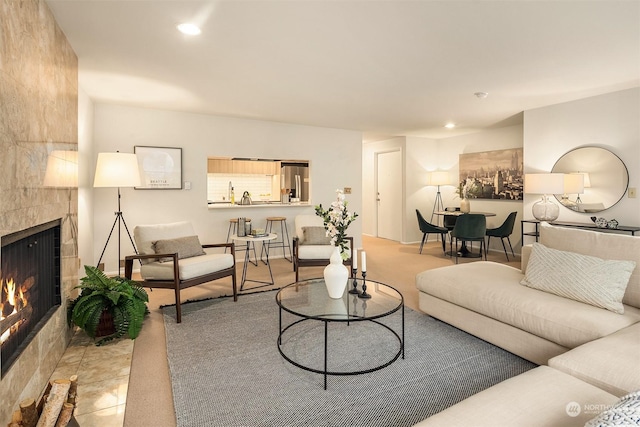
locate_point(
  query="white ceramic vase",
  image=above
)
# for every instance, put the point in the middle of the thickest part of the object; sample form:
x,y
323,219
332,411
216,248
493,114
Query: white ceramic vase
x,y
336,275
465,206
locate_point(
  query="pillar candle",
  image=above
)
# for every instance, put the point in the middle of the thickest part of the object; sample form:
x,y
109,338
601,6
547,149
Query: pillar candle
x,y
354,257
364,260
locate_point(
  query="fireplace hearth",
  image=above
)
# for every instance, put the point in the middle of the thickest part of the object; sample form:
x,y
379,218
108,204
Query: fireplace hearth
x,y
29,286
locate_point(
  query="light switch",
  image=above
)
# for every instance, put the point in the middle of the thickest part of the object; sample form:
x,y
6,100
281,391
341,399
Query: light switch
x,y
347,190
632,192
187,185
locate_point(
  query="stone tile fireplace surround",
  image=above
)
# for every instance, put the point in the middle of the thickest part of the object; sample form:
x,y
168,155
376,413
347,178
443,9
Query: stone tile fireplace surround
x,y
38,114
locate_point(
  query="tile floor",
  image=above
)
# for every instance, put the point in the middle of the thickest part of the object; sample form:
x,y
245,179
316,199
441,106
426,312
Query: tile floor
x,y
103,379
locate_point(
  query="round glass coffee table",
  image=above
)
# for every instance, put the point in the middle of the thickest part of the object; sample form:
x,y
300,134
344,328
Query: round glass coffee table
x,y
309,301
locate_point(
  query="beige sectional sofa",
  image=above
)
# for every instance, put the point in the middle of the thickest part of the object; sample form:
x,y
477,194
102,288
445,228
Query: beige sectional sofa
x,y
590,356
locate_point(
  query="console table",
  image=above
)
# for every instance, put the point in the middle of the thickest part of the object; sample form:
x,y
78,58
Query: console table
x,y
586,226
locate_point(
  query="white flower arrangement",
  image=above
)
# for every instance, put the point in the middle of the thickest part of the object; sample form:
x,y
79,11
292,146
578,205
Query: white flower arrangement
x,y
336,221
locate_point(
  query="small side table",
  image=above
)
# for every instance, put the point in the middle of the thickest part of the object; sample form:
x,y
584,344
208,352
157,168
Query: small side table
x,y
535,233
250,242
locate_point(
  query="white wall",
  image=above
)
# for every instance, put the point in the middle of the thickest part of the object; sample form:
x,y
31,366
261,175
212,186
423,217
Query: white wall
x,y
609,121
335,160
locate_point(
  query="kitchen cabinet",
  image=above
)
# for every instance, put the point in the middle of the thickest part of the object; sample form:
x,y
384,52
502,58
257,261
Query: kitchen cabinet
x,y
254,167
245,167
219,166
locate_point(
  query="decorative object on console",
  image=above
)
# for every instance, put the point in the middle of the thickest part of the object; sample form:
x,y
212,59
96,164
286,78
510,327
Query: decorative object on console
x,y
603,223
545,184
336,220
117,170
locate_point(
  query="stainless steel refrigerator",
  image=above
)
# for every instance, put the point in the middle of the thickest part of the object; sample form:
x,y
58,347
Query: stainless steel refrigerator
x,y
295,178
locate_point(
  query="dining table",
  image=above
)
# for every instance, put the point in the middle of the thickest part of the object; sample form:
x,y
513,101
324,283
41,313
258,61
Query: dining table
x,y
464,251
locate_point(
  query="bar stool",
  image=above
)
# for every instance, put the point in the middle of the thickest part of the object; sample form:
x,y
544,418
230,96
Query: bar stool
x,y
233,229
281,243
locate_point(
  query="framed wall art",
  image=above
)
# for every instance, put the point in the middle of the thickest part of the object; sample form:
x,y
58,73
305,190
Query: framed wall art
x,y
494,175
160,167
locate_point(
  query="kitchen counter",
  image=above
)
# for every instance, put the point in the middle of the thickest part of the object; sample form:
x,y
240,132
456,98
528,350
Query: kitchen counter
x,y
259,204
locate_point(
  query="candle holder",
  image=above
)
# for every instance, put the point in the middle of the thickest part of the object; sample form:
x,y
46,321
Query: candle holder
x,y
354,276
364,294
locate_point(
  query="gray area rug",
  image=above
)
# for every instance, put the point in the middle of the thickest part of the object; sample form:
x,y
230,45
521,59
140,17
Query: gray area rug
x,y
226,369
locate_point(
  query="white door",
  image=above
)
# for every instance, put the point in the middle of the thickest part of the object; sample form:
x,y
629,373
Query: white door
x,y
389,195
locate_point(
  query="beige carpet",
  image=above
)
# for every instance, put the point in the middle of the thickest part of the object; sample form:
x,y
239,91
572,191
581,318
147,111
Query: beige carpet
x,y
149,399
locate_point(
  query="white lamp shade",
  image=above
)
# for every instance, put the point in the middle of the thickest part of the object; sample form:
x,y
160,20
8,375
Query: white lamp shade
x,y
440,178
544,183
573,183
62,169
117,170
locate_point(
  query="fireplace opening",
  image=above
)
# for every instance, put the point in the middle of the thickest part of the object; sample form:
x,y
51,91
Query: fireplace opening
x,y
29,286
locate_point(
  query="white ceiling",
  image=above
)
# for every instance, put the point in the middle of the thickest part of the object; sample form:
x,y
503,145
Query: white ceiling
x,y
385,68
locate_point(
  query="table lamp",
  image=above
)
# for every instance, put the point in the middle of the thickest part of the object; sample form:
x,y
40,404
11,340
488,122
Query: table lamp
x,y
545,184
586,183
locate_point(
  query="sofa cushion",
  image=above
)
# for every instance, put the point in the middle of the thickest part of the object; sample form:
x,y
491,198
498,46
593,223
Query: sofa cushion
x,y
189,267
625,412
584,278
315,236
592,362
494,290
186,247
600,244
539,397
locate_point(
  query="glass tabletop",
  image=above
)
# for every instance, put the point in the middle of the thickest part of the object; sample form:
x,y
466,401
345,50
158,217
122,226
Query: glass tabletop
x,y
310,299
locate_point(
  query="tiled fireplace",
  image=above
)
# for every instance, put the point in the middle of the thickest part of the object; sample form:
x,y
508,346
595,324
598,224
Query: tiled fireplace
x,y
38,115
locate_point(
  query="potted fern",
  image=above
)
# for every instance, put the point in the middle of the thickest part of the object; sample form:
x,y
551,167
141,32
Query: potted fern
x,y
108,307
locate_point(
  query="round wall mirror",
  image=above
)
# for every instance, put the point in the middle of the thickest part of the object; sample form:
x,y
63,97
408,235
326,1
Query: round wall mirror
x,y
597,179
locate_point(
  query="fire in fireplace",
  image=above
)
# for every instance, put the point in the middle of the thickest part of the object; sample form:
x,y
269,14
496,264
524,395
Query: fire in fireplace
x,y
29,286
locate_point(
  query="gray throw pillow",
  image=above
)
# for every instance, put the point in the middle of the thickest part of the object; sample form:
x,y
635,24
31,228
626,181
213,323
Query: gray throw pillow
x,y
315,236
186,247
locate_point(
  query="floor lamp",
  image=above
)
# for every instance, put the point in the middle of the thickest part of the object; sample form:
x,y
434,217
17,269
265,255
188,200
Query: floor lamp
x,y
62,172
117,170
438,178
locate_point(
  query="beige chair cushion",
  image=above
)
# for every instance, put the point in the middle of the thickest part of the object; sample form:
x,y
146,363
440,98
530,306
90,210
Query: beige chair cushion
x,y
315,251
539,397
189,267
494,290
579,277
605,362
599,244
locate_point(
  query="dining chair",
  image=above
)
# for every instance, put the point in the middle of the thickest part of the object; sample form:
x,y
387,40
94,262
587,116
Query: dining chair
x,y
469,228
503,232
428,228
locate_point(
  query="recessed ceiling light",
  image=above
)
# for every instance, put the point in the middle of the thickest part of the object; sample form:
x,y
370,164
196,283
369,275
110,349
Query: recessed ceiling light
x,y
481,95
450,125
189,29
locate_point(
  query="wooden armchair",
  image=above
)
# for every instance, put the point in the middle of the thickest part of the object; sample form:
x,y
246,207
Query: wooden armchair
x,y
311,247
171,257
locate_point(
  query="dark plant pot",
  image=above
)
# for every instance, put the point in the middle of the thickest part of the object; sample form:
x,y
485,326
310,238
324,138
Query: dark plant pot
x,y
105,326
